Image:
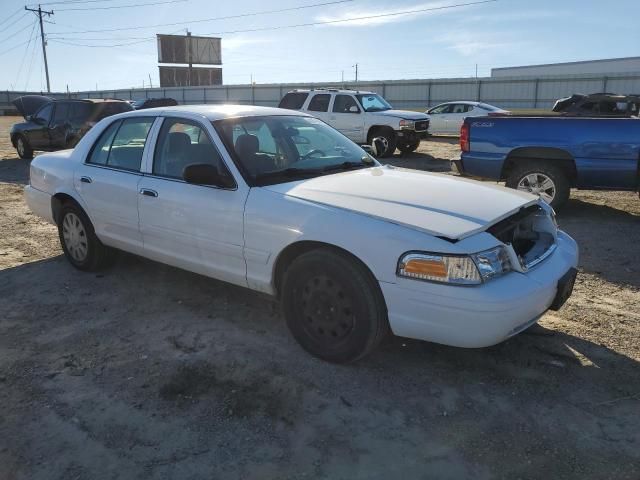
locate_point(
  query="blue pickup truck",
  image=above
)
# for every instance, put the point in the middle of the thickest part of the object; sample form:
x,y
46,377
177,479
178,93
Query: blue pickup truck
x,y
550,155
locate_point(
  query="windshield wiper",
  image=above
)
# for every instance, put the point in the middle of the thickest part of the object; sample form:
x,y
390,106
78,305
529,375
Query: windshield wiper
x,y
348,165
288,172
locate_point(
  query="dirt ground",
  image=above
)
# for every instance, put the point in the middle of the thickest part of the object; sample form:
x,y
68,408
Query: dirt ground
x,y
148,372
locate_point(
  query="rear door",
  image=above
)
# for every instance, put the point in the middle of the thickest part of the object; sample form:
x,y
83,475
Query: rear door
x,y
60,126
319,106
347,117
108,182
455,117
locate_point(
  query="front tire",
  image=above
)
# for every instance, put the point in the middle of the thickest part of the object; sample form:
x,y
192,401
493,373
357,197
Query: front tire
x,y
541,178
79,242
333,306
23,148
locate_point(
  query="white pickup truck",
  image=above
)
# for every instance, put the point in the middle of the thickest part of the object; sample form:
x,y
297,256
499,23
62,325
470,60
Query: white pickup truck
x,y
361,116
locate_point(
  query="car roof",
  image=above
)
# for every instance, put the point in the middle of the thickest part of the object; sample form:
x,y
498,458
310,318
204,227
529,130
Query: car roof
x,y
220,111
332,90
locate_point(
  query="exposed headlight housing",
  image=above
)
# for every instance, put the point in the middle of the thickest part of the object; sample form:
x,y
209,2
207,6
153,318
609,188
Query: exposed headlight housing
x,y
453,269
408,124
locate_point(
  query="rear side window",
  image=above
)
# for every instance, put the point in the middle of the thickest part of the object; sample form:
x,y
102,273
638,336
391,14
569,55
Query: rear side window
x,y
61,113
121,145
107,109
79,112
459,108
293,100
319,103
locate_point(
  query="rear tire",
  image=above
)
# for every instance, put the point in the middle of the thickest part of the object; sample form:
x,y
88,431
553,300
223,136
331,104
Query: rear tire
x,y
333,306
541,178
388,137
79,242
23,148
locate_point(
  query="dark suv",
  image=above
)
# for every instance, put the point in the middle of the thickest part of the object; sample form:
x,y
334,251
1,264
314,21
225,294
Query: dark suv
x,y
58,124
599,105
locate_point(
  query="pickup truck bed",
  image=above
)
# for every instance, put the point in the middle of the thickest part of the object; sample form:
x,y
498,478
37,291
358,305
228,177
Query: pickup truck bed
x,y
530,152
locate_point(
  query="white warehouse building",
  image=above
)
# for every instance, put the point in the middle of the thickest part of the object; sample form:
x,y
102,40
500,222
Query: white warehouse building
x,y
596,67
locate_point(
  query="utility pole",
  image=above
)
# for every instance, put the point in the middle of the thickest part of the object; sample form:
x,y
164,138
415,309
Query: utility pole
x,y
356,65
41,12
190,55
150,84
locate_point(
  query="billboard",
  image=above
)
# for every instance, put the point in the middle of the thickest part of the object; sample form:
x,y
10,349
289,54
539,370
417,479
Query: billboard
x,y
179,76
175,49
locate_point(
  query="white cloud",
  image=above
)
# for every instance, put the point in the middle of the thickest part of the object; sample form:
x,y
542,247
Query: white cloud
x,y
381,16
236,42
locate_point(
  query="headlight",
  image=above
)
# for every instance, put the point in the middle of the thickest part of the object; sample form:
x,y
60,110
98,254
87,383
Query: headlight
x,y
456,270
407,124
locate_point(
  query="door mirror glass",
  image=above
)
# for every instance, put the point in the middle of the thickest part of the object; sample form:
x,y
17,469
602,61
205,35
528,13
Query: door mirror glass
x,y
205,174
353,109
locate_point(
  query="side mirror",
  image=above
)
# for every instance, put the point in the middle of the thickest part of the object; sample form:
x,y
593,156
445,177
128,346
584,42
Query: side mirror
x,y
205,174
37,120
354,109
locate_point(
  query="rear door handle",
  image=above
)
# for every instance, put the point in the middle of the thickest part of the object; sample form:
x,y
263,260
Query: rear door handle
x,y
86,179
148,192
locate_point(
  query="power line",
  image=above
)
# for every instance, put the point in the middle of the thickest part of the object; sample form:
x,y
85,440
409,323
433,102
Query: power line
x,y
8,37
120,6
33,54
299,25
12,49
10,16
228,17
67,2
26,53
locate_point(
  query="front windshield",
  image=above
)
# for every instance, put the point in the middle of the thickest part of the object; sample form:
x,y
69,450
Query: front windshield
x,y
373,102
282,148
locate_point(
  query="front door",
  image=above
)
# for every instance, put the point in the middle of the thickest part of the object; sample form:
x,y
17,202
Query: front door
x,y
346,116
195,227
108,182
437,123
38,132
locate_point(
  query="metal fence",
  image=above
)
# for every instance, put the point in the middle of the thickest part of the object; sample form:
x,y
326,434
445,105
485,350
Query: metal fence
x,y
506,92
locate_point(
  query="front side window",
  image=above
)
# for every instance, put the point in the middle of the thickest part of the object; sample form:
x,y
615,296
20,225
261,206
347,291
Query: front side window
x,y
44,114
121,145
293,100
345,104
445,108
181,143
277,149
319,103
373,102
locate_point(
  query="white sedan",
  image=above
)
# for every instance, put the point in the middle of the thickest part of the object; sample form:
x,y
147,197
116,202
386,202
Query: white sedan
x,y
447,118
279,202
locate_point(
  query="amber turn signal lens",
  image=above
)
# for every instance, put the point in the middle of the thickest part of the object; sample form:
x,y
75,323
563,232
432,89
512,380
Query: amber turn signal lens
x,y
431,268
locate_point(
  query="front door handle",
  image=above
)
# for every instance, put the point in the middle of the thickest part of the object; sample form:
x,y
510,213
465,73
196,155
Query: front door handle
x,y
147,192
86,179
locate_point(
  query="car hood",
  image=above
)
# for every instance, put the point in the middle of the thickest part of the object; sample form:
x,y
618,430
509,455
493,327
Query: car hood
x,y
30,104
406,114
441,205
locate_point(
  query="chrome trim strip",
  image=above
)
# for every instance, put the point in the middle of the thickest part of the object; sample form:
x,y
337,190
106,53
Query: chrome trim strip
x,y
541,258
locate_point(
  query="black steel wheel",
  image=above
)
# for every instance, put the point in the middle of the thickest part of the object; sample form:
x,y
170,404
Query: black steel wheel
x,y
333,306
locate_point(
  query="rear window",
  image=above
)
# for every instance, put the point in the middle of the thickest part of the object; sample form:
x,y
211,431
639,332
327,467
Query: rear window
x,y
293,101
319,103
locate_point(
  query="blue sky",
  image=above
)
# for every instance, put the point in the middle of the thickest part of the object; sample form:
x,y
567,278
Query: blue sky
x,y
430,44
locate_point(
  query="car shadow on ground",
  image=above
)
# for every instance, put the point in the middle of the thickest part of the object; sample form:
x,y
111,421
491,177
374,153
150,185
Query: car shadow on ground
x,y
14,170
597,228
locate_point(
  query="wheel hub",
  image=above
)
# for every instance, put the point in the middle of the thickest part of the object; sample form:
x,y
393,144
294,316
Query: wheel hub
x,y
538,184
75,237
327,311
